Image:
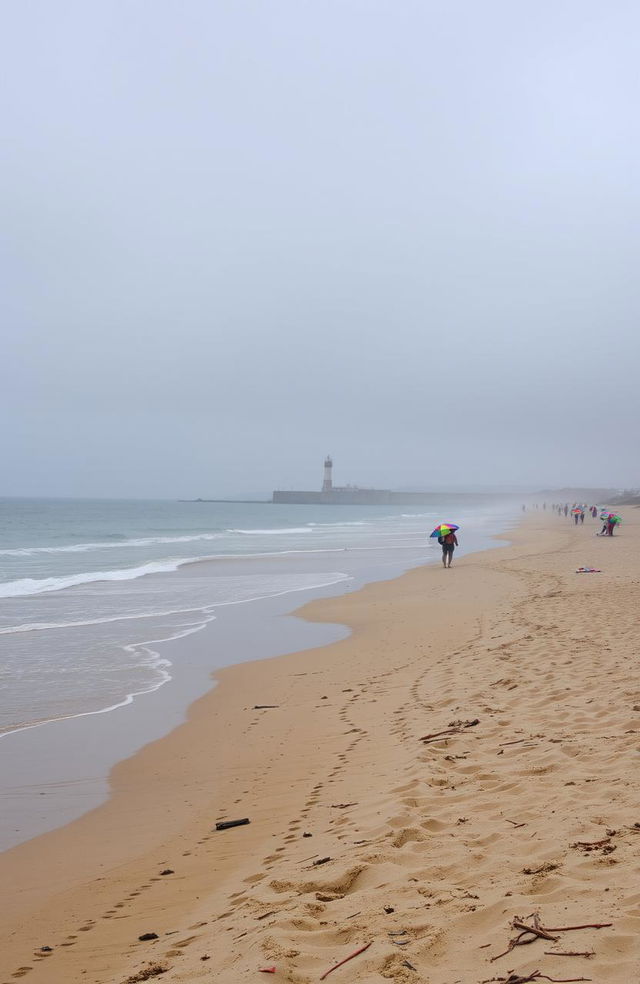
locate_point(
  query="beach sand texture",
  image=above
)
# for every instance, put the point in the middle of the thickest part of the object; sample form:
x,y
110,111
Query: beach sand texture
x,y
429,848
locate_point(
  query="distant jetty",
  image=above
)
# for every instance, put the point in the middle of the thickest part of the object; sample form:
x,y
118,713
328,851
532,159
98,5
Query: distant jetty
x,y
353,495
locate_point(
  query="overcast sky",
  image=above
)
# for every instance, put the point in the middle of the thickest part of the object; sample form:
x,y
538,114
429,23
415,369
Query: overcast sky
x,y
237,235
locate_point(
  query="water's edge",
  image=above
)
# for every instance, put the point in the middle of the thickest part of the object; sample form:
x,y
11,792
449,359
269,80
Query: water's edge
x,y
54,773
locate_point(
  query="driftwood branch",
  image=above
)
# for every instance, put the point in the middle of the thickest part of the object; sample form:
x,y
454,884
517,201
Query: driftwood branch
x,y
536,929
567,929
346,959
592,845
535,976
455,728
570,953
529,933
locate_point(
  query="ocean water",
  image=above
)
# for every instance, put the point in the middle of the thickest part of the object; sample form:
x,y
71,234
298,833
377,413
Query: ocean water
x,y
89,589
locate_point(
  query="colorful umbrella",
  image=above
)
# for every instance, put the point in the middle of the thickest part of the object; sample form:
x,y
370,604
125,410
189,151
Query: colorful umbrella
x,y
445,528
615,519
576,510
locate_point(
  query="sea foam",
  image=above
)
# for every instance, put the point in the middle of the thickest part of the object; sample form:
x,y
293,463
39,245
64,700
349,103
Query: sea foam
x,y
33,586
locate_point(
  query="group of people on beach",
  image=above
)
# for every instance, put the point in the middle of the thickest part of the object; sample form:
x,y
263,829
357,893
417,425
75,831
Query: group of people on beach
x,y
578,510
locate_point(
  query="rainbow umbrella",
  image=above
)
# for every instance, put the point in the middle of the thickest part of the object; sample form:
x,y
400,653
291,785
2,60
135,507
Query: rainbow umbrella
x,y
613,518
445,528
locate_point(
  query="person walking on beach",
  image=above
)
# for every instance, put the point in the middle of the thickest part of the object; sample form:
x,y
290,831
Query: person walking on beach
x,y
449,543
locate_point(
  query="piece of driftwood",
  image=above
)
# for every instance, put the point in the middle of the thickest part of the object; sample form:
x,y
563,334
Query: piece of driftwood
x,y
227,824
544,867
536,929
264,707
346,960
535,976
569,953
592,845
534,932
567,929
455,728
530,932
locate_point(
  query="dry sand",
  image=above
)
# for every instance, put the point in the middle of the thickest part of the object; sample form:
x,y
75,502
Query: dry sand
x,y
433,847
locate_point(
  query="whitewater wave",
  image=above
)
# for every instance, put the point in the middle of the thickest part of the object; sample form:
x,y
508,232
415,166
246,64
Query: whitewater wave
x,y
122,543
272,532
204,608
148,541
338,526
34,586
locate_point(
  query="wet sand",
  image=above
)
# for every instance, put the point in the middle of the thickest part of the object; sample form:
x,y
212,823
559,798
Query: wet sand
x,y
429,849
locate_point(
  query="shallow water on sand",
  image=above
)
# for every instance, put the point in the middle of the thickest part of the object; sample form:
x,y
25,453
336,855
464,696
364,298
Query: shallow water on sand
x,y
89,589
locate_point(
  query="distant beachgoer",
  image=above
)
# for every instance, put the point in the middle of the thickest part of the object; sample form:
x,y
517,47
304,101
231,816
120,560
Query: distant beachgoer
x,y
524,508
582,515
449,543
576,517
566,509
610,525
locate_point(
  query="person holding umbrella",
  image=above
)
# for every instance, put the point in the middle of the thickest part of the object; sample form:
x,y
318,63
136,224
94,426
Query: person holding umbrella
x,y
447,539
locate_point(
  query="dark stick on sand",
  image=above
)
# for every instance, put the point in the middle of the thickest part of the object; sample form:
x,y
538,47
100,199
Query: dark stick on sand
x,y
226,824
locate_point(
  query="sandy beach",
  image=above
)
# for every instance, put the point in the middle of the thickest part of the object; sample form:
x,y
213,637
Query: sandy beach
x,y
464,765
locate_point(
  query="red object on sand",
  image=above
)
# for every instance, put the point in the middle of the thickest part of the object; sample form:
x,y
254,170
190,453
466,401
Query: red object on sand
x,y
267,970
346,959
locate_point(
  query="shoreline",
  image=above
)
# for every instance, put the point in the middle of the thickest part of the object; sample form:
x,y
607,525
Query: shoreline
x,y
354,706
53,771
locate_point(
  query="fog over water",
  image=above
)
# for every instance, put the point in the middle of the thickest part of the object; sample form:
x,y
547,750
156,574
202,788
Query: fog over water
x,y
235,237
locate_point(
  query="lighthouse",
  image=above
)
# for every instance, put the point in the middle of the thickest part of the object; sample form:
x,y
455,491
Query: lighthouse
x,y
328,465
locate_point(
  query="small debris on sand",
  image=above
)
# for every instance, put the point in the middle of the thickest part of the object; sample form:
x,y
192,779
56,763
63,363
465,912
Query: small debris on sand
x,y
151,970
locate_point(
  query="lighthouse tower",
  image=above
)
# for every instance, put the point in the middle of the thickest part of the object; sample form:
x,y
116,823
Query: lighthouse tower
x,y
327,485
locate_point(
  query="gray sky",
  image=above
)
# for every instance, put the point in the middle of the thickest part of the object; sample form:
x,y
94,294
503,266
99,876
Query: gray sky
x,y
235,236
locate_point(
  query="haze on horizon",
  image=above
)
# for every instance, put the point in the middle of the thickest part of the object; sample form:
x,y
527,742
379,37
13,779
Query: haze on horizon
x,y
236,237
